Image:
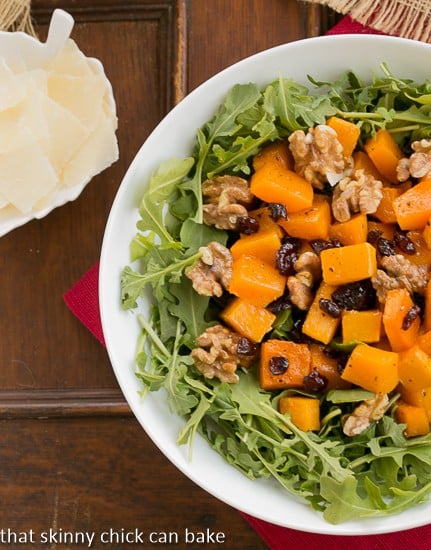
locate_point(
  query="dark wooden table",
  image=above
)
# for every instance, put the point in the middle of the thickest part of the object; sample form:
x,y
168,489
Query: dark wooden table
x,y
72,457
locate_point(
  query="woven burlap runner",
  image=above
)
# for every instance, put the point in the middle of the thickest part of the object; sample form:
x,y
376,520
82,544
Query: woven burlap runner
x,y
406,18
15,16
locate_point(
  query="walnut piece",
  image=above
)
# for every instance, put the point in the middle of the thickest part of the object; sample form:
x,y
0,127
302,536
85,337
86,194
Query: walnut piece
x,y
212,272
418,164
308,271
318,155
399,272
217,354
357,193
226,199
368,411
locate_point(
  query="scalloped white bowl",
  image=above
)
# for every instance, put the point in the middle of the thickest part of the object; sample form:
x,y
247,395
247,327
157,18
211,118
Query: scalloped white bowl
x,y
323,58
23,50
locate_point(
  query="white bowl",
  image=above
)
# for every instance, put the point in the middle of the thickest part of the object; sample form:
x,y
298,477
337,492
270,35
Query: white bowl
x,y
323,58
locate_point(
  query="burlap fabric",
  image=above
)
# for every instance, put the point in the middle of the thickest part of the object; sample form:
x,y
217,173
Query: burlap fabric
x,y
15,16
406,18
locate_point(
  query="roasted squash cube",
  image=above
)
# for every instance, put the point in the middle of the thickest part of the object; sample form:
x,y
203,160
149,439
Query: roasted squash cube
x,y
283,364
304,412
249,320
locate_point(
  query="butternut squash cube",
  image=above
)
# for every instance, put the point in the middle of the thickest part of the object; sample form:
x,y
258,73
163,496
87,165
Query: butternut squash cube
x,y
311,223
283,364
419,398
385,211
414,417
424,342
276,152
361,325
256,281
249,320
263,216
385,153
347,132
363,162
397,305
414,368
413,208
427,309
318,324
304,412
353,231
372,369
262,244
346,264
328,367
275,183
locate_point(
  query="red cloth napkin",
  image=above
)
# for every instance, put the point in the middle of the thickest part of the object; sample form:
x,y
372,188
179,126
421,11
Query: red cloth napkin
x,y
83,300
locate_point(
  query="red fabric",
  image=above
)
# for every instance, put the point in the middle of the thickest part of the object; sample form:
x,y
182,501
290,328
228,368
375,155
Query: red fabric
x,y
82,299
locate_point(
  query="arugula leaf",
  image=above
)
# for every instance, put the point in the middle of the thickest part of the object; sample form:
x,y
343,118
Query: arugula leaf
x,y
162,185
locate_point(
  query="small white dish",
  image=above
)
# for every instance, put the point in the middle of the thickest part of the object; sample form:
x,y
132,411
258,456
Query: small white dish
x,y
25,54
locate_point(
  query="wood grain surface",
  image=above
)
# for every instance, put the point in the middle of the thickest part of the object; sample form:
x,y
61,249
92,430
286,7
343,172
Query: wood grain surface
x,y
72,457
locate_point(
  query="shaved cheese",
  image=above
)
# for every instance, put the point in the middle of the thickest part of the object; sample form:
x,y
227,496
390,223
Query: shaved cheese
x,y
26,175
83,96
94,155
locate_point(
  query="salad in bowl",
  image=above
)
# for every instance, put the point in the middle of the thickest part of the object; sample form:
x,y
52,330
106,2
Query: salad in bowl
x,y
278,276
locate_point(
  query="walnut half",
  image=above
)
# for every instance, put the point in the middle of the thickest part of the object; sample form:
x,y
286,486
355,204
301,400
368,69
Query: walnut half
x,y
212,272
219,354
368,411
226,199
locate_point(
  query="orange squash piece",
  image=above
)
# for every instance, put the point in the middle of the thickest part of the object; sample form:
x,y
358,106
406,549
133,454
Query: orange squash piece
x,y
384,153
385,211
318,324
311,223
256,281
276,152
263,216
414,368
414,417
426,234
422,255
413,207
327,366
296,358
262,244
397,305
304,412
275,183
347,264
347,132
353,231
249,320
364,326
361,161
427,309
419,398
372,369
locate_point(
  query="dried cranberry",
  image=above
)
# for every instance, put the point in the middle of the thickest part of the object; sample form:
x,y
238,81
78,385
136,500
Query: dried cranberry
x,y
247,225
330,307
285,259
404,243
320,244
291,243
386,247
373,236
277,210
359,295
278,365
412,314
315,382
280,304
246,347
